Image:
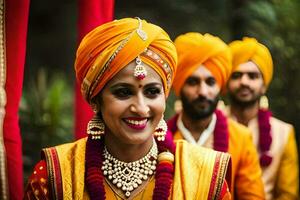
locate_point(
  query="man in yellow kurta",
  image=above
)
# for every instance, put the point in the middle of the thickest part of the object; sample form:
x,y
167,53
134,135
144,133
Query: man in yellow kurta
x,y
204,65
273,138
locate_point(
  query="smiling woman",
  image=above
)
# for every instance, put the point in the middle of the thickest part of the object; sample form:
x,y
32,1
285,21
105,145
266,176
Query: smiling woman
x,y
132,108
125,69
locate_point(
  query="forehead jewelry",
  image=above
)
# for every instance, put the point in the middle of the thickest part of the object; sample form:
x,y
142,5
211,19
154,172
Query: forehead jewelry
x,y
139,70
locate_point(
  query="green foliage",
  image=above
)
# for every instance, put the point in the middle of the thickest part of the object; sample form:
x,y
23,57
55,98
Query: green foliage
x,y
45,115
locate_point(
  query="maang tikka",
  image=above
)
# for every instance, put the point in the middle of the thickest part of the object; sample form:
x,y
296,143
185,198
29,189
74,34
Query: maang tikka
x,y
139,70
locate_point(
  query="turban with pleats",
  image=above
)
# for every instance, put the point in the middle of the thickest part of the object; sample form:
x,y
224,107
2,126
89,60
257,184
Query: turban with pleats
x,y
107,49
194,50
249,49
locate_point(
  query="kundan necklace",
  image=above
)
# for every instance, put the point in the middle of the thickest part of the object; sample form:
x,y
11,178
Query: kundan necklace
x,y
128,176
94,178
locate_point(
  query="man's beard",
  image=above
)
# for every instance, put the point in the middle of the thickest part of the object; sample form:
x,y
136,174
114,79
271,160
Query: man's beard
x,y
195,113
235,101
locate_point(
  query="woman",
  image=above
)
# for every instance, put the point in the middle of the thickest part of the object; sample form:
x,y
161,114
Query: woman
x,y
125,69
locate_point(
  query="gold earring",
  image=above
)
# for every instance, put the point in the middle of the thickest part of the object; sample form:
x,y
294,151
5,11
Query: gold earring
x,y
161,130
178,106
96,127
264,102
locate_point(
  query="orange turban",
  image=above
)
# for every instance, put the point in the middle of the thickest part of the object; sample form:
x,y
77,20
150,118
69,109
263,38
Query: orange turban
x,y
249,49
112,46
194,50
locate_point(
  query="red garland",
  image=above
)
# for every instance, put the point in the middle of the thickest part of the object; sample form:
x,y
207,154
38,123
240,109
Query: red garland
x,y
93,162
221,135
265,137
95,180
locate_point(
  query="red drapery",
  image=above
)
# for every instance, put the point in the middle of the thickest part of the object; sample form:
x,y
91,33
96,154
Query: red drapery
x,y
92,13
16,21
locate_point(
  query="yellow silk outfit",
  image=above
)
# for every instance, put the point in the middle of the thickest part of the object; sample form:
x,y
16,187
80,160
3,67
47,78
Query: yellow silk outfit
x,y
194,170
198,173
281,176
195,50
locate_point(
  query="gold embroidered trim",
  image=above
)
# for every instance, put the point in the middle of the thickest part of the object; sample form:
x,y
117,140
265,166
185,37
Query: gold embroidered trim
x,y
152,55
224,160
53,171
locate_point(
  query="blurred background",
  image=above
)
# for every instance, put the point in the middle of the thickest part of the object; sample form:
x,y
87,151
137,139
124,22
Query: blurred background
x,y
46,113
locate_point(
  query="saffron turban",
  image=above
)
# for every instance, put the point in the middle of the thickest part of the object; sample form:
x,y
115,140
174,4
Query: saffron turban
x,y
194,50
249,49
112,46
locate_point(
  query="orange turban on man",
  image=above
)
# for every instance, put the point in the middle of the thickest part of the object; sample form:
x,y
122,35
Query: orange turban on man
x,y
249,49
194,50
110,47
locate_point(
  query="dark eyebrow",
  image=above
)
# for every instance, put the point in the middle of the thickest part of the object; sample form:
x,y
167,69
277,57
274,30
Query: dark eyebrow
x,y
194,77
153,84
247,72
122,84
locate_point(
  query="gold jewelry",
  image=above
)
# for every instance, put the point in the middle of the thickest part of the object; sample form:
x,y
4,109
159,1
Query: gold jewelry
x,y
141,33
161,130
264,102
96,127
128,176
178,106
166,156
140,71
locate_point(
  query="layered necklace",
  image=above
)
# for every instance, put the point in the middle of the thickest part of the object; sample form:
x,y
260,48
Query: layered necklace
x,y
128,176
95,178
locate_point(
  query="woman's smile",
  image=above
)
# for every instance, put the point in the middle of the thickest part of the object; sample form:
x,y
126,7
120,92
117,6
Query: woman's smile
x,y
136,123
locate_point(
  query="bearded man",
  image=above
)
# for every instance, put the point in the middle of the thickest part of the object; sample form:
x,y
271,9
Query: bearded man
x,y
274,139
204,66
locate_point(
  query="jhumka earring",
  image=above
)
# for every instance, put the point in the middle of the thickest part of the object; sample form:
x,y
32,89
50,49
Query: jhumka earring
x,y
161,130
177,106
139,70
96,127
264,102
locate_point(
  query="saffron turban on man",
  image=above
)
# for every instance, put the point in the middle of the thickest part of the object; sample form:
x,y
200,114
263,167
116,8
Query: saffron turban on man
x,y
194,50
249,49
112,46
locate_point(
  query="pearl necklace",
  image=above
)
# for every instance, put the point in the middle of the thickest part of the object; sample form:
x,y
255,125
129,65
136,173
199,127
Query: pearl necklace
x,y
128,176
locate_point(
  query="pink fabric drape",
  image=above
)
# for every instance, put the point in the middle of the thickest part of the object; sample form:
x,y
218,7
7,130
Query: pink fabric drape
x,y
92,13
16,21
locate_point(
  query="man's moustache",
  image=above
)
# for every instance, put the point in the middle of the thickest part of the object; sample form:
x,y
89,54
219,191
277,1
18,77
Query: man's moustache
x,y
245,88
203,100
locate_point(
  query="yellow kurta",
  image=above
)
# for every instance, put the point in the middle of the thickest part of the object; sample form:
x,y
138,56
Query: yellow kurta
x,y
281,176
246,172
195,167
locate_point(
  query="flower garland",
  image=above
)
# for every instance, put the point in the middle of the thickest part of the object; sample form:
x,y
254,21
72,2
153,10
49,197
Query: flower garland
x,y
265,137
221,135
94,178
